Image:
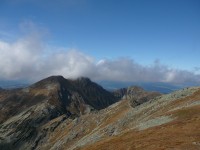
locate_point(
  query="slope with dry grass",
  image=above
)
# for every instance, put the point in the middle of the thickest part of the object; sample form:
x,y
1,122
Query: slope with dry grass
x,y
169,121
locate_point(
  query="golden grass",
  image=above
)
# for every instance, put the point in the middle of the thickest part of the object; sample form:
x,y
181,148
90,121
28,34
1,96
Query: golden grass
x,y
182,133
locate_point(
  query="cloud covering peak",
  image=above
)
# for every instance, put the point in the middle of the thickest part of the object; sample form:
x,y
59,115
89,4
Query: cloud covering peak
x,y
29,58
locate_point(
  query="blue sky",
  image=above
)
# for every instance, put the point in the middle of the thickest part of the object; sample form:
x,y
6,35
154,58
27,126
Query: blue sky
x,y
140,31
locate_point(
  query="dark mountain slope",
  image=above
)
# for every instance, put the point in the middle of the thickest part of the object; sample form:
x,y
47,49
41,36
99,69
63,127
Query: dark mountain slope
x,y
93,93
24,111
68,96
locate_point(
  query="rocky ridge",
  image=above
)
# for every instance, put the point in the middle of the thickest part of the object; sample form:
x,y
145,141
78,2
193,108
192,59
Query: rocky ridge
x,y
159,122
136,95
24,111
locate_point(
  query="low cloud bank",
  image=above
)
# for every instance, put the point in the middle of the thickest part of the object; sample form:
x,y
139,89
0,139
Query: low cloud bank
x,y
29,58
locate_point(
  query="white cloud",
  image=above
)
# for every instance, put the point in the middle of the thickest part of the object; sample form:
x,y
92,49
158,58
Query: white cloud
x,y
29,58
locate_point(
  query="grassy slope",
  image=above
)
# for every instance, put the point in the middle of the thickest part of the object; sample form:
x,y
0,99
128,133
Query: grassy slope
x,y
182,133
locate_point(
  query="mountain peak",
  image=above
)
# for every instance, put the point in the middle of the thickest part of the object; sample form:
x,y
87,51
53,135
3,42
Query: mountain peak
x,y
135,88
49,80
57,78
73,96
61,80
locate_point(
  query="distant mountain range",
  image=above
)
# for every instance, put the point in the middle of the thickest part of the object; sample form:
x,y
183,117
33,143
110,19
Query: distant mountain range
x,y
9,84
148,86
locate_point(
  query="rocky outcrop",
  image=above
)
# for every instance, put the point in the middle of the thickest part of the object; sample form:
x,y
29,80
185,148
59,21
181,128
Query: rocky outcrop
x,y
136,95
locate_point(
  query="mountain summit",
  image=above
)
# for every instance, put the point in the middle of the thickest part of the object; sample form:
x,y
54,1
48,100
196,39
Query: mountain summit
x,y
72,97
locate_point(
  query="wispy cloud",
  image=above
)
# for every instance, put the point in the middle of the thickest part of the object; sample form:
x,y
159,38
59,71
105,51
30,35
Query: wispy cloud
x,y
30,58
